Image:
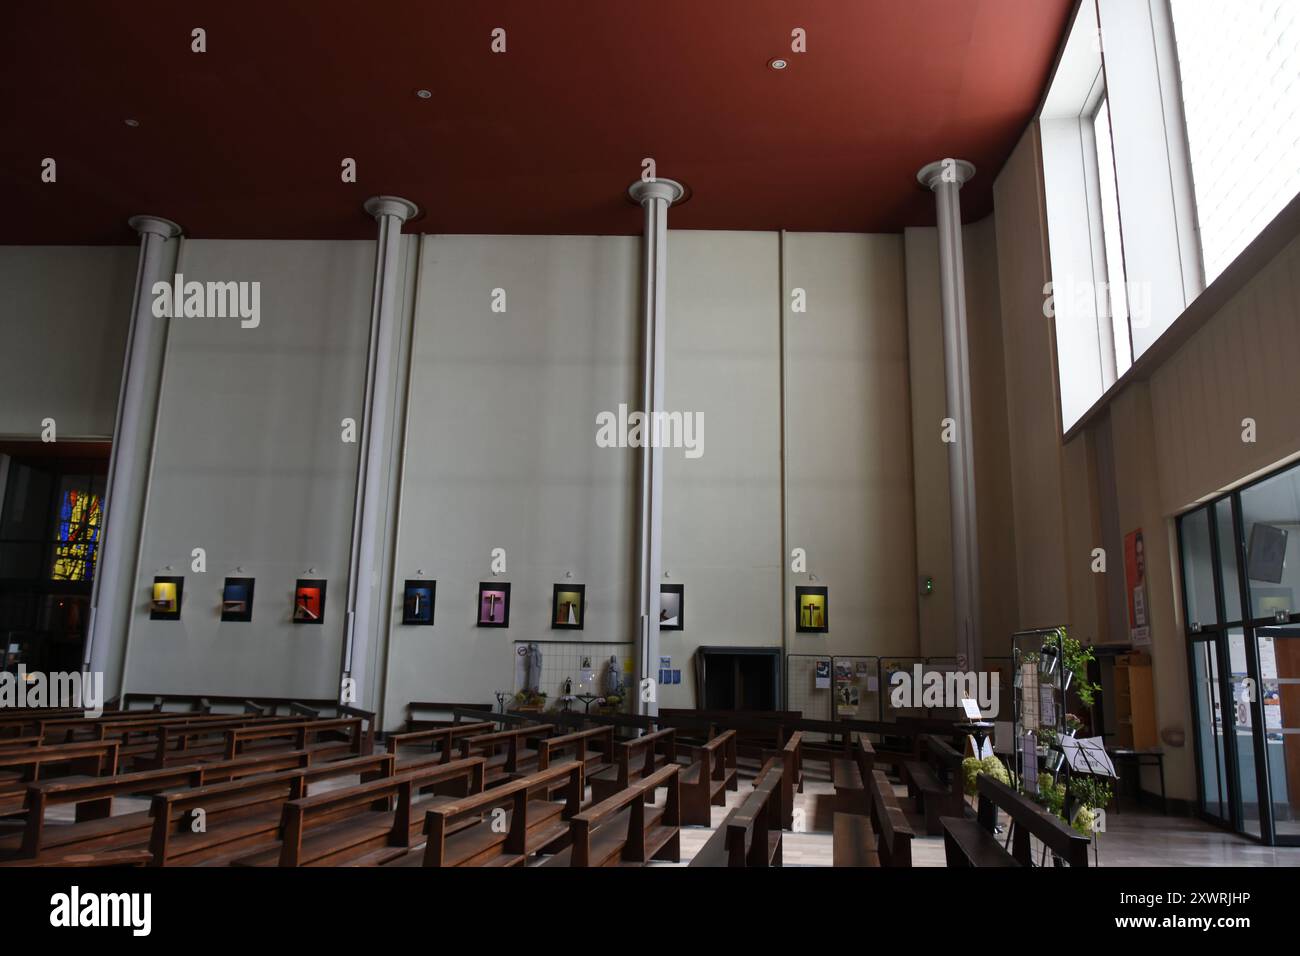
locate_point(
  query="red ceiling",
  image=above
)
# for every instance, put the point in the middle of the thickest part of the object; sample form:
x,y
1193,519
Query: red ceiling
x,y
246,140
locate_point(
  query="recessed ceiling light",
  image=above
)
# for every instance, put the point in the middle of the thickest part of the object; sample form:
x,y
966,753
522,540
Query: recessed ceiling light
x,y
777,63
132,123
424,94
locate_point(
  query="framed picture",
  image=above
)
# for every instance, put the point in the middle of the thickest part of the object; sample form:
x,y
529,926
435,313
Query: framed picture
x,y
237,600
671,598
493,604
309,601
417,602
810,610
568,607
165,600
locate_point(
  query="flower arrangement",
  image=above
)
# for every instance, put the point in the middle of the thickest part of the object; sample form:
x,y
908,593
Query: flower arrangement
x,y
972,767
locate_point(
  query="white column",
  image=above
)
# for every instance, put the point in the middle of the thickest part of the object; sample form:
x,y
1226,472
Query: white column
x,y
655,197
368,519
128,468
945,179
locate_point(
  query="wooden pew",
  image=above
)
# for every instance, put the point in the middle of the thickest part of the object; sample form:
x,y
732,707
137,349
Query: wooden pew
x,y
969,842
791,776
20,767
750,836
634,759
534,824
936,783
623,831
851,775
188,741
706,780
517,758
593,749
300,736
96,827
240,815
414,722
348,828
439,740
882,838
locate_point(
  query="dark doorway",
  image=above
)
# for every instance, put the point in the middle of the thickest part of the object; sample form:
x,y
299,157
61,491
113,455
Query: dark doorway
x,y
738,678
51,504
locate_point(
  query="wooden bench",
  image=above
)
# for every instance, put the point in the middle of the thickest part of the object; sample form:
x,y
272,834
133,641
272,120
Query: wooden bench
x,y
750,836
348,827
936,784
706,780
187,742
531,824
95,758
593,749
242,815
301,736
850,775
622,830
882,838
791,776
439,740
95,826
518,757
634,759
968,843
415,707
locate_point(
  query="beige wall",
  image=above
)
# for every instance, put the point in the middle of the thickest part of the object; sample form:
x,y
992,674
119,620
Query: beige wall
x,y
1033,413
64,317
1241,364
999,605
1176,435
249,465
848,459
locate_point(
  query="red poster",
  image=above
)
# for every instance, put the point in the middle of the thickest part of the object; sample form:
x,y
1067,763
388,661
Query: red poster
x,y
1135,581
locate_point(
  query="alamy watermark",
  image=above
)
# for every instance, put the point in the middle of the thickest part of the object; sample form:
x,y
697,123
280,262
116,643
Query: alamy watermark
x,y
63,689
636,429
209,300
922,688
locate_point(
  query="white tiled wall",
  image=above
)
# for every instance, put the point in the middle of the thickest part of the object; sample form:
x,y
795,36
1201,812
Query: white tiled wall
x,y
561,660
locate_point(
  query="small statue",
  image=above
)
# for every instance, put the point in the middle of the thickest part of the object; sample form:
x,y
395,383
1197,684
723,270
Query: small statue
x,y
613,678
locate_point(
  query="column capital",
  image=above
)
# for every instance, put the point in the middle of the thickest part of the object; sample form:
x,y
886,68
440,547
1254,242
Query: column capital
x,y
403,209
958,171
643,191
154,225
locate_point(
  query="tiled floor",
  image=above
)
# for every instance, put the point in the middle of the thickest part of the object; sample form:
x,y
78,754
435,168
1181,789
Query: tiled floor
x,y
1133,838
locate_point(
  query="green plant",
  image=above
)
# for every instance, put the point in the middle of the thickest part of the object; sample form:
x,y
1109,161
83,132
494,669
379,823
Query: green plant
x,y
972,767
1091,791
1051,794
1076,657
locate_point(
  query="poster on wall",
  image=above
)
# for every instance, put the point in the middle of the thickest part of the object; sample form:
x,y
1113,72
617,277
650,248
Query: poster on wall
x,y
1135,583
822,676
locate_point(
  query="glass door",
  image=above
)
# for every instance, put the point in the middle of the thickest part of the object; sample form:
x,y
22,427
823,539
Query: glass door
x,y
1211,743
1279,694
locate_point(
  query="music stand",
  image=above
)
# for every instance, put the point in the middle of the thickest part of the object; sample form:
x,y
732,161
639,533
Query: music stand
x,y
1087,755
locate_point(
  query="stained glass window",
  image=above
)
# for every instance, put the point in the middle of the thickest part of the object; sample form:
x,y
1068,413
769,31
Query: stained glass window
x,y
78,536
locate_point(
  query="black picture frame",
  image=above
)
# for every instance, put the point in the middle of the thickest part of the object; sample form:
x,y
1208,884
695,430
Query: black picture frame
x,y
307,585
580,591
485,589
817,624
159,615
680,591
417,605
227,601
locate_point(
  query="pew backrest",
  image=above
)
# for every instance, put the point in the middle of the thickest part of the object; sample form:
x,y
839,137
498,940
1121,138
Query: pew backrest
x,y
1029,819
